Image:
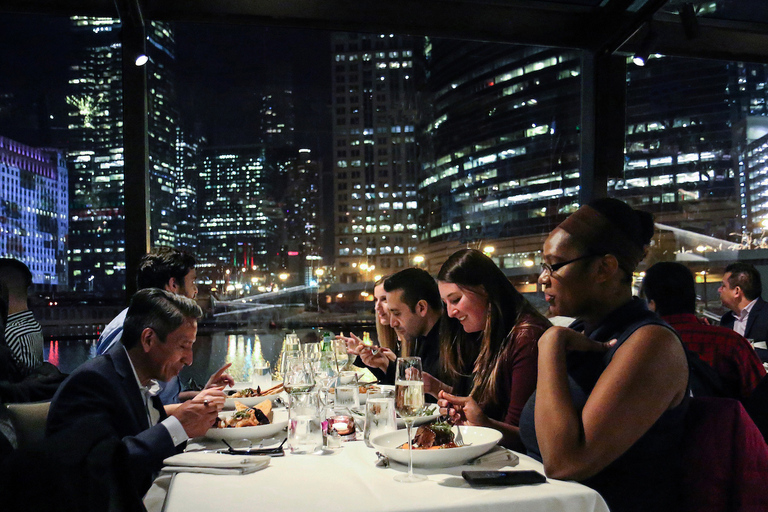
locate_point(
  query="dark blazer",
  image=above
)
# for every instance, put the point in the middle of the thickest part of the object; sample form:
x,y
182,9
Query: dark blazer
x,y
105,389
757,324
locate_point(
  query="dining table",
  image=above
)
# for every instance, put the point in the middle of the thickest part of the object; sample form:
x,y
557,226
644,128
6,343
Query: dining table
x,y
350,479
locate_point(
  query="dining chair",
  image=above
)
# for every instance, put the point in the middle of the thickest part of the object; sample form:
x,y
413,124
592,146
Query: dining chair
x,y
29,421
725,459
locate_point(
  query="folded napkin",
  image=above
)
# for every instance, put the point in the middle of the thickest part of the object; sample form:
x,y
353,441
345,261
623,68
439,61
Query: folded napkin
x,y
498,455
214,463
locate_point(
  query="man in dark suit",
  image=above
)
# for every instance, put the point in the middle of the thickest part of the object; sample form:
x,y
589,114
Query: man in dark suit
x,y
740,292
118,388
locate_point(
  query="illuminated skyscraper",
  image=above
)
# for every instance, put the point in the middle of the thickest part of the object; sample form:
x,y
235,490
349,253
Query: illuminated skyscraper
x,y
238,212
188,170
34,211
97,234
375,171
501,149
680,152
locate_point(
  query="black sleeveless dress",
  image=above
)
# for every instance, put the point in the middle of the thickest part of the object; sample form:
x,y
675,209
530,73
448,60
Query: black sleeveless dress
x,y
646,477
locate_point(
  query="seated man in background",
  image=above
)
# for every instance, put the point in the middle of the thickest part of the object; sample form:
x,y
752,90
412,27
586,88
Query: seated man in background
x,y
669,289
741,293
415,308
119,388
23,334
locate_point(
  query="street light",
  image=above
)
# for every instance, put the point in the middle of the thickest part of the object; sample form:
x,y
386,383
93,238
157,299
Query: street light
x,y
283,276
418,259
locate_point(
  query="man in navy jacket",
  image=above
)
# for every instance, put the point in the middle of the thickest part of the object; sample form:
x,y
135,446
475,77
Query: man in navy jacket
x,y
119,387
740,292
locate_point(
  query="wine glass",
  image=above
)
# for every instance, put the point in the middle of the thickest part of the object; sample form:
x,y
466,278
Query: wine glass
x,y
298,375
409,402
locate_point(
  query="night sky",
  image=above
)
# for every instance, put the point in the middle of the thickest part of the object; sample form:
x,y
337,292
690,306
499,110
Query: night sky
x,y
220,70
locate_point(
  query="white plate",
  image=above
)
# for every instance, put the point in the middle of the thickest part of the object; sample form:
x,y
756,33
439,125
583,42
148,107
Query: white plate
x,y
360,415
279,422
421,419
482,439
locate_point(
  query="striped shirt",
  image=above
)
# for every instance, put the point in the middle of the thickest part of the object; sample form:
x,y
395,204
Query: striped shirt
x,y
24,337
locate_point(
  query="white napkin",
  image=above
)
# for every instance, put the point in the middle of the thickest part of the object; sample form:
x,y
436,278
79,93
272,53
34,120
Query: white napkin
x,y
497,455
215,463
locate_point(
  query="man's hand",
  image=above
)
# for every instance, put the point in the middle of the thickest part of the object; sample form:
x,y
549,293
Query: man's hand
x,y
197,415
220,379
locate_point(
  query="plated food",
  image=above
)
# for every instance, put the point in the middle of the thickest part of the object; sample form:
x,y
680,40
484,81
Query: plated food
x,y
250,397
277,424
437,435
477,441
246,416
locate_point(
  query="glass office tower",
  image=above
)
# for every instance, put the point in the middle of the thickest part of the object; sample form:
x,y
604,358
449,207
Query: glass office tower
x,y
95,151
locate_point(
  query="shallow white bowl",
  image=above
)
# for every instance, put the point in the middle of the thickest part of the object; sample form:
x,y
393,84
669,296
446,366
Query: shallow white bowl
x,y
279,422
482,439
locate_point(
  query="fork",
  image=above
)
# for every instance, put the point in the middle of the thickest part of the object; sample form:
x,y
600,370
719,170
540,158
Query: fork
x,y
458,438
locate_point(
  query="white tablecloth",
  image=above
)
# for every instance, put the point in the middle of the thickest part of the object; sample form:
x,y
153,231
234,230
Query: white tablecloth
x,y
347,479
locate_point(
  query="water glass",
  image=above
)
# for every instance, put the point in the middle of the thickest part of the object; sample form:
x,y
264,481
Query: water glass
x,y
305,431
298,375
347,390
261,376
379,418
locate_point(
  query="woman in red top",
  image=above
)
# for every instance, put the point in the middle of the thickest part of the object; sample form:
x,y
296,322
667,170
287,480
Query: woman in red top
x,y
488,345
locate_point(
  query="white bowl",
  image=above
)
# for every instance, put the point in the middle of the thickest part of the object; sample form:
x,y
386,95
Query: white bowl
x,y
279,422
477,441
419,420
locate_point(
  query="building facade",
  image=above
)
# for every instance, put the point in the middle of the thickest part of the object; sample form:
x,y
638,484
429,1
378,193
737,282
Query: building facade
x,y
680,153
238,214
501,144
95,151
34,204
375,169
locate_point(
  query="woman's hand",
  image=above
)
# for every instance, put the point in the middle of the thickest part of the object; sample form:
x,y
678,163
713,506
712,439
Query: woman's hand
x,y
352,342
462,410
571,341
433,386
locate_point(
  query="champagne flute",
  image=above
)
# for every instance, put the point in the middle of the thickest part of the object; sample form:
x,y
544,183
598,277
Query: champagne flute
x,y
409,402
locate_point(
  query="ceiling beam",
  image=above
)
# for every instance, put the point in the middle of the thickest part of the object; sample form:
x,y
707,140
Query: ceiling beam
x,y
512,21
718,39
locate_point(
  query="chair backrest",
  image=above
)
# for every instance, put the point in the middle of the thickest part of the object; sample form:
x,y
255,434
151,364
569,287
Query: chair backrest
x,y
29,421
725,459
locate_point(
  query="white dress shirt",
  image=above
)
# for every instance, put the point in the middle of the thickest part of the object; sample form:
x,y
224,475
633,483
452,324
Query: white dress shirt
x,y
171,423
740,320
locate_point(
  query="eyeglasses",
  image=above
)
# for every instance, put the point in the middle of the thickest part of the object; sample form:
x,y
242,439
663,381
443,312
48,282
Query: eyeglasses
x,y
551,269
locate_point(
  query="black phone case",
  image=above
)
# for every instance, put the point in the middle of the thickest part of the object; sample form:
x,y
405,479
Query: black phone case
x,y
526,477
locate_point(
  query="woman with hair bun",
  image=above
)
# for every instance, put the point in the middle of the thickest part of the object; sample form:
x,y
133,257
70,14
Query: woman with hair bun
x,y
611,394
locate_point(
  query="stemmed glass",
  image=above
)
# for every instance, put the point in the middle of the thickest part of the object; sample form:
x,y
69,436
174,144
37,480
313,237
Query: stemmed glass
x,y
409,402
298,375
325,371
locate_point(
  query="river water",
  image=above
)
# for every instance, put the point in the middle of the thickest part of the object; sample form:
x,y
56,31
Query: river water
x,y
211,351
